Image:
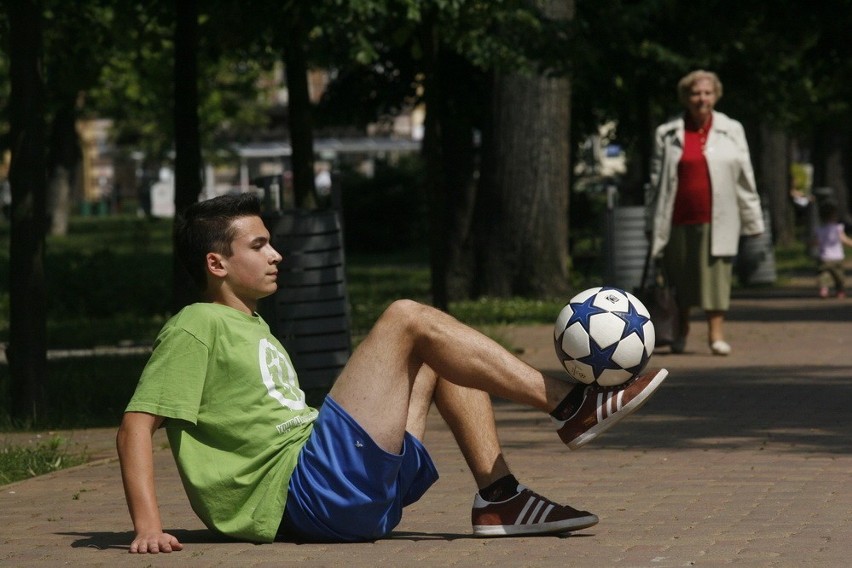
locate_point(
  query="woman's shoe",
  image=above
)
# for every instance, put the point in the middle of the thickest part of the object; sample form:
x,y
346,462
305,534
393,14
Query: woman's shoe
x,y
679,345
720,347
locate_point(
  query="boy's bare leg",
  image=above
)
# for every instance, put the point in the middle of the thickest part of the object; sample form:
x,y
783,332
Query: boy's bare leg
x,y
470,416
502,505
420,402
375,386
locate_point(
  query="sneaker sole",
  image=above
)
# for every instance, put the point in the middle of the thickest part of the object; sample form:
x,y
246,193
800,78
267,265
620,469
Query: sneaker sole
x,y
613,419
555,527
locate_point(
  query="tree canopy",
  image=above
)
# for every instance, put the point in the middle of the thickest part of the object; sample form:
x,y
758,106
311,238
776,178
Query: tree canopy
x,y
495,76
785,61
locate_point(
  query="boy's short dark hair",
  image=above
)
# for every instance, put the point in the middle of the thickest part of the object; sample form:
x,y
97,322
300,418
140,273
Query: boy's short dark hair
x,y
206,227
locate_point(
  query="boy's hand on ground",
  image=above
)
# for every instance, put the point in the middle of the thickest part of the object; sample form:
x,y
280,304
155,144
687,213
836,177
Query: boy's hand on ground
x,y
155,542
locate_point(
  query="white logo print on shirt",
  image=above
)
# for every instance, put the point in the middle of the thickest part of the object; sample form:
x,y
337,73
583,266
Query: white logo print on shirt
x,y
279,376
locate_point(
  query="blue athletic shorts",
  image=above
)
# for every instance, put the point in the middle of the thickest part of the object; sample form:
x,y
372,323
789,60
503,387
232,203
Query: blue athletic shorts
x,y
345,488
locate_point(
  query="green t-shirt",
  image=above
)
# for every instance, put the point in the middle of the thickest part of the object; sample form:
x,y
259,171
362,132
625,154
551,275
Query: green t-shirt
x,y
236,417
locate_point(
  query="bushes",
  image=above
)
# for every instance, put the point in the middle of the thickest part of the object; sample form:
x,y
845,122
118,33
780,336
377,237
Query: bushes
x,y
112,267
81,392
101,283
387,212
107,277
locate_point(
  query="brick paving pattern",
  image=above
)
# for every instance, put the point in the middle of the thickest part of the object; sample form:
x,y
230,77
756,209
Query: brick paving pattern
x,y
744,460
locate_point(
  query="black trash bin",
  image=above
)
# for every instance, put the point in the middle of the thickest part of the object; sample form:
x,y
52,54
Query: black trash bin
x,y
755,261
309,313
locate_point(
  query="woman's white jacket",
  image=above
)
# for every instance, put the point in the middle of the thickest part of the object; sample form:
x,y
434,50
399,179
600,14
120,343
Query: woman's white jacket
x,y
735,203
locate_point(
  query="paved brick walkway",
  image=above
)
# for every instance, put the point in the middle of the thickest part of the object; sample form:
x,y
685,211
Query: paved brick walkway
x,y
742,460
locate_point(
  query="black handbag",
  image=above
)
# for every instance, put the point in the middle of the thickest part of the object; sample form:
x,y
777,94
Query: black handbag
x,y
659,297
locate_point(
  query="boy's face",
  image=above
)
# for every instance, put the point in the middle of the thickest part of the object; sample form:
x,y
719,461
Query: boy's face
x,y
251,272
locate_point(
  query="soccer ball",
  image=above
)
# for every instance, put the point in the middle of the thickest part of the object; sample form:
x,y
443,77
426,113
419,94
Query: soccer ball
x,y
605,336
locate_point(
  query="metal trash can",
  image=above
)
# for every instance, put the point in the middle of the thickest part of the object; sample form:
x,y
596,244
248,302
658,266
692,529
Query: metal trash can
x,y
309,313
755,262
625,246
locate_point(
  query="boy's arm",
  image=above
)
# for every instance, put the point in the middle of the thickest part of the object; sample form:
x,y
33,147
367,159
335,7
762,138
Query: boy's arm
x,y
135,453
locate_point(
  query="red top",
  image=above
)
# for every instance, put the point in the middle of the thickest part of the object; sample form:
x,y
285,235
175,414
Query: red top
x,y
693,200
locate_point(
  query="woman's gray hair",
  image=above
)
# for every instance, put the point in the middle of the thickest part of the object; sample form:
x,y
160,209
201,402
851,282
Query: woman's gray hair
x,y
684,86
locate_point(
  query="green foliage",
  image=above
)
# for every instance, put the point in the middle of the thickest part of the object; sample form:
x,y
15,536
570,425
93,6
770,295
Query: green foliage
x,y
787,60
387,212
510,35
84,283
586,217
108,280
501,311
82,392
230,108
74,36
136,78
22,462
381,50
793,259
782,62
376,281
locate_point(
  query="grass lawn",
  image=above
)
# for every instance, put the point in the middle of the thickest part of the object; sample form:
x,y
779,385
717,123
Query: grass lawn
x,y
22,462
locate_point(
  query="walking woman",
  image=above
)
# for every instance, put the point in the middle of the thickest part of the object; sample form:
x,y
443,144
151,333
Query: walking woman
x,y
702,198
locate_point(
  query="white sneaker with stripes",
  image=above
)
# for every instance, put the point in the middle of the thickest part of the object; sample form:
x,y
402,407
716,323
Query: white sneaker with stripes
x,y
526,513
603,407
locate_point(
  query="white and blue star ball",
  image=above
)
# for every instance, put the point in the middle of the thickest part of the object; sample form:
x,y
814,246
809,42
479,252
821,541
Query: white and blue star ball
x,y
605,336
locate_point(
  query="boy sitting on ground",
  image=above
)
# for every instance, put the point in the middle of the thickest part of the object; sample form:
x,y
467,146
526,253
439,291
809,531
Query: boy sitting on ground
x,y
259,464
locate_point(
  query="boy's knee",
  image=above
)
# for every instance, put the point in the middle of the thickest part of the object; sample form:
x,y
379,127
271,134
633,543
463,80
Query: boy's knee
x,y
404,311
413,320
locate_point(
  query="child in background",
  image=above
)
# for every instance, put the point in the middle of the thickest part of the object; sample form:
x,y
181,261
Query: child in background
x,y
830,237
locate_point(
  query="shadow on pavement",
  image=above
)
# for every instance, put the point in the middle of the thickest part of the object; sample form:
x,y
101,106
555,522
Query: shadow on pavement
x,y
121,540
800,410
829,310
424,536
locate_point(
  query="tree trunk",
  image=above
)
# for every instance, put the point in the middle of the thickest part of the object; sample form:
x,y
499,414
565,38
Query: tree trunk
x,y
453,198
773,181
27,351
522,205
188,165
299,114
460,155
831,146
525,182
449,154
433,158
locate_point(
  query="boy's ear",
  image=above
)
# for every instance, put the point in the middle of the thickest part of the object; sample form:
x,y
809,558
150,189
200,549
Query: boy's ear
x,y
215,266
